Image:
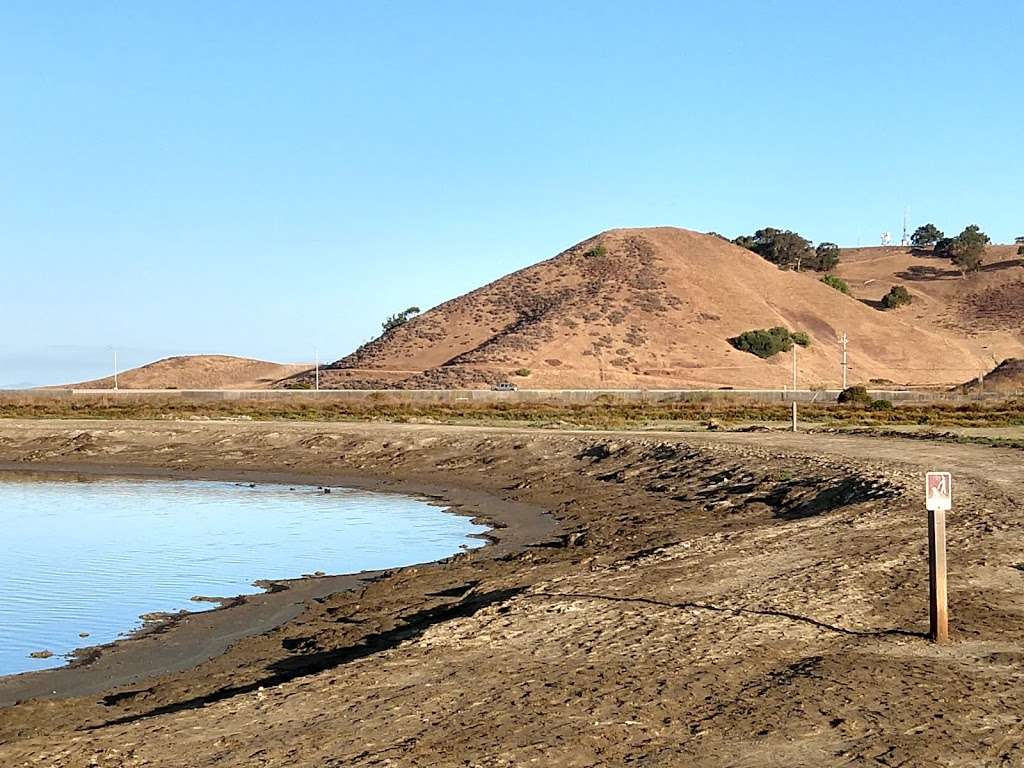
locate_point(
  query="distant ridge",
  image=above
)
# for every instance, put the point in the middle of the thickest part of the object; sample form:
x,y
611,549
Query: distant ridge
x,y
198,372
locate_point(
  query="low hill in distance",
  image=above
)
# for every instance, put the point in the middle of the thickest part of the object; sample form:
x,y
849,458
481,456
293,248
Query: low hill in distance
x,y
655,308
199,372
1007,378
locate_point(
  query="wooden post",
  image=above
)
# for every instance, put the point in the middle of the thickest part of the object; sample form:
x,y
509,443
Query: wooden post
x,y
794,413
938,608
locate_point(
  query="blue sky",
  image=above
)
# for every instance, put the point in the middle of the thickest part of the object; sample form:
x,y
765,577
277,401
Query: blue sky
x,y
264,178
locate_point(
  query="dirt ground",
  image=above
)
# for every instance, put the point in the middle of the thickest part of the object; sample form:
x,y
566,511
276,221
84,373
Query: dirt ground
x,y
753,599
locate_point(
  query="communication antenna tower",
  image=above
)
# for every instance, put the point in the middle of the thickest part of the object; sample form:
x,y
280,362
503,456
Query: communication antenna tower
x,y
905,240
886,238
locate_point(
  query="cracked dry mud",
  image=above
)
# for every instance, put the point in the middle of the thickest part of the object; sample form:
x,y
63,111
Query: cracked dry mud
x,y
706,600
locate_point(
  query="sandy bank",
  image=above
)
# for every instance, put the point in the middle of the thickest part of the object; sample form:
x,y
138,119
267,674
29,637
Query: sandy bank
x,y
707,600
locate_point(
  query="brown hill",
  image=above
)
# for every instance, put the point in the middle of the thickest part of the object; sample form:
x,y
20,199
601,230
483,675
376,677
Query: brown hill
x,y
990,300
985,309
199,372
1007,378
654,308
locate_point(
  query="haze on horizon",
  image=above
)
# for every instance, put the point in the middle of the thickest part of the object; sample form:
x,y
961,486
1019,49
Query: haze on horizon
x,y
255,180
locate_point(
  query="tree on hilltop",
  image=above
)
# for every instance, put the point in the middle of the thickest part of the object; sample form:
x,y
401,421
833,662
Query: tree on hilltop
x,y
966,250
784,248
398,320
926,235
826,256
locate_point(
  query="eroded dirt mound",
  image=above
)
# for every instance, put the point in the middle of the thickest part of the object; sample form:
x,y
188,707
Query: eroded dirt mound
x,y
1006,378
199,372
649,308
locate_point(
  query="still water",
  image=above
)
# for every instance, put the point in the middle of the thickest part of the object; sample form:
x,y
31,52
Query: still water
x,y
91,556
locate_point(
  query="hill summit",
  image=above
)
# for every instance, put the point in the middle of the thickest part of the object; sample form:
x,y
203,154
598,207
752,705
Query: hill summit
x,y
650,308
198,372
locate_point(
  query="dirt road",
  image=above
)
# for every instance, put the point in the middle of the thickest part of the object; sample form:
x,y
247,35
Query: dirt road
x,y
752,599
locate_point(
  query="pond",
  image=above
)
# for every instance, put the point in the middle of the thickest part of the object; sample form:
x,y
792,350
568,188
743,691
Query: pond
x,y
83,559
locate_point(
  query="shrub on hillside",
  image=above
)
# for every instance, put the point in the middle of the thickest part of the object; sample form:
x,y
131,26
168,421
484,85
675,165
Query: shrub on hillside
x,y
856,395
596,252
897,296
836,282
768,342
801,338
880,405
521,372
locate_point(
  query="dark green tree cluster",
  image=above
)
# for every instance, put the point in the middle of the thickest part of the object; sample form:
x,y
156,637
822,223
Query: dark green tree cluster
x,y
897,296
396,321
768,342
926,236
966,250
789,250
827,257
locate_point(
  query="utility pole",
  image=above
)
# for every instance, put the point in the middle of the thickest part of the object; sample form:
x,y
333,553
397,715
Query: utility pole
x,y
794,368
794,388
844,341
115,369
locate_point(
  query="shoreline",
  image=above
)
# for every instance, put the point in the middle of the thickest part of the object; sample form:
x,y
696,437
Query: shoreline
x,y
180,641
698,585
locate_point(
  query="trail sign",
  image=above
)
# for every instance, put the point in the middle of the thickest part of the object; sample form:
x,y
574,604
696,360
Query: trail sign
x,y
938,491
938,498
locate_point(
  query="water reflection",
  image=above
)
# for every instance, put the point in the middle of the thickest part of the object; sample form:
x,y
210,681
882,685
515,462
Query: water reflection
x,y
90,557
